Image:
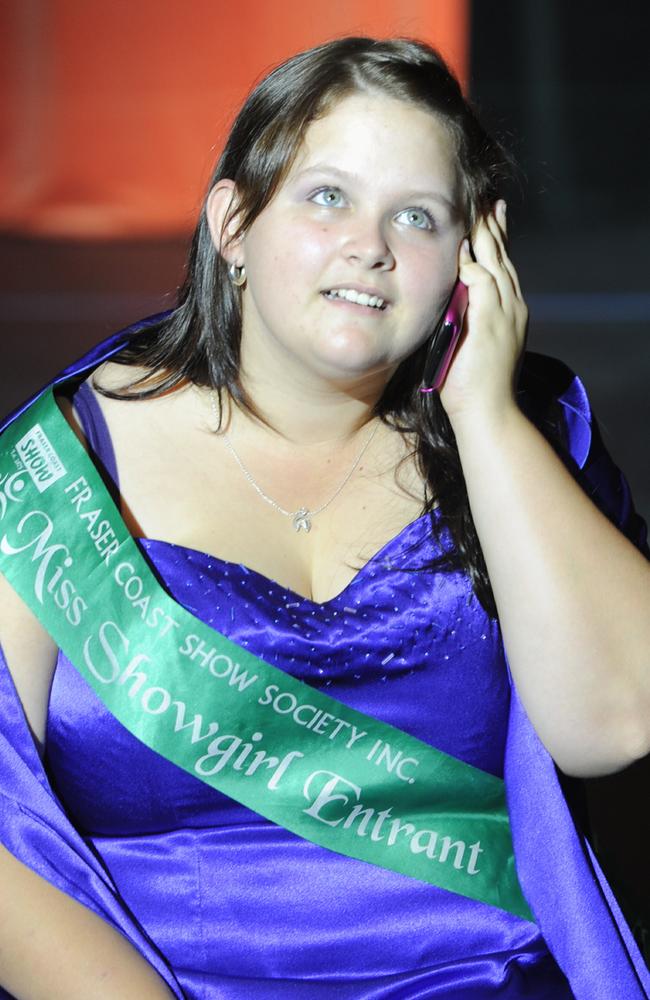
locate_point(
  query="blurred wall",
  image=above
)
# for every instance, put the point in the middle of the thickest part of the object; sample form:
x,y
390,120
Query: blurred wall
x,y
111,114
565,85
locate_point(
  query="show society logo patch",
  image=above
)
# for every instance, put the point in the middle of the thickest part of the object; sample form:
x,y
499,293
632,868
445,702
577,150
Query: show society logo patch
x,y
39,458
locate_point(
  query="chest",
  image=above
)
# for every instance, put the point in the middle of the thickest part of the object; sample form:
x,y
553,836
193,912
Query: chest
x,y
193,492
407,646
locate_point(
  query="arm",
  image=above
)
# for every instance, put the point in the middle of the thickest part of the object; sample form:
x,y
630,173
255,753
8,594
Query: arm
x,y
573,594
31,655
52,946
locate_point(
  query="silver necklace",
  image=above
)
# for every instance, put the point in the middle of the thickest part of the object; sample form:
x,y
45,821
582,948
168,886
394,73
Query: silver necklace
x,y
301,518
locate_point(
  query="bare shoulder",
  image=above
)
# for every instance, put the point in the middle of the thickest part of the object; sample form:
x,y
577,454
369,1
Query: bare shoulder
x,y
155,442
116,387
112,376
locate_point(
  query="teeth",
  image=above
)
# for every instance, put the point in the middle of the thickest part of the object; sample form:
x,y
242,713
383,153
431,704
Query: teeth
x,y
361,298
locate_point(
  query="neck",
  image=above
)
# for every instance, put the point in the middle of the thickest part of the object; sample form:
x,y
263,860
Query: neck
x,y
308,410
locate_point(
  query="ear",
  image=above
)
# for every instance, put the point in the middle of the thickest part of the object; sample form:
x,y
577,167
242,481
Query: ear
x,y
221,211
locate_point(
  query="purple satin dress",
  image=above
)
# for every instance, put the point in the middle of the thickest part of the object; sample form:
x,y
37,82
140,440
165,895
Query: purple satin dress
x,y
242,908
226,904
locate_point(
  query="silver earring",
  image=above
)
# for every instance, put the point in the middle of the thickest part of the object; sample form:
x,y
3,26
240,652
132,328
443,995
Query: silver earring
x,y
237,274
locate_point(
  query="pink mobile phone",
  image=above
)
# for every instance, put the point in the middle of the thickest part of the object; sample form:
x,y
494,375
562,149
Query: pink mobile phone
x,y
445,339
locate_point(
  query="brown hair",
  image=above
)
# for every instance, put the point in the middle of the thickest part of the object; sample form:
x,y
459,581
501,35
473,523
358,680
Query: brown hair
x,y
200,340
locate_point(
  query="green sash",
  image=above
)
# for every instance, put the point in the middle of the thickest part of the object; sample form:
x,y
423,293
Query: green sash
x,y
328,773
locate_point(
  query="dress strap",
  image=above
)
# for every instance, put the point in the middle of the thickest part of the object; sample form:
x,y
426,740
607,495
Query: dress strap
x,y
95,428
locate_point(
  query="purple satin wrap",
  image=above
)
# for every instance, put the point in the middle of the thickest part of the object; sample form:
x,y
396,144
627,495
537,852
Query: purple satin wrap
x,y
227,905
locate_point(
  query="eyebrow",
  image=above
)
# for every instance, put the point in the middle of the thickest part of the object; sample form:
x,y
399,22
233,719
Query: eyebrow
x,y
326,168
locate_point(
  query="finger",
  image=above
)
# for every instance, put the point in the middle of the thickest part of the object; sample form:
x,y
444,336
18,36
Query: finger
x,y
488,254
490,288
506,275
501,209
501,212
477,278
499,235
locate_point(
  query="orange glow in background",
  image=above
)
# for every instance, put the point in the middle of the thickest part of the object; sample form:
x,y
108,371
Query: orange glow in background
x,y
112,114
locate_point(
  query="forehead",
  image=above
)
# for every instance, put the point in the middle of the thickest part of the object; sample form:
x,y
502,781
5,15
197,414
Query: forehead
x,y
374,133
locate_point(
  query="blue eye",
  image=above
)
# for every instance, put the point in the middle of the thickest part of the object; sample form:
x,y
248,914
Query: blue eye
x,y
330,197
418,217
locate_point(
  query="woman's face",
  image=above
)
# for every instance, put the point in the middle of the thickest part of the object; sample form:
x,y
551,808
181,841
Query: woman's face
x,y
350,264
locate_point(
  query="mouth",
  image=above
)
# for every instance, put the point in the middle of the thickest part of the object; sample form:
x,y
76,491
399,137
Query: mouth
x,y
366,299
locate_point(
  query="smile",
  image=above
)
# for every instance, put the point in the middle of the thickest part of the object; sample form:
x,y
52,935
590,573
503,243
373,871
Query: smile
x,y
358,298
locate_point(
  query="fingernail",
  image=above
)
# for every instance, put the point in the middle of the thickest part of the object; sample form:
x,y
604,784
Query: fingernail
x,y
502,211
464,247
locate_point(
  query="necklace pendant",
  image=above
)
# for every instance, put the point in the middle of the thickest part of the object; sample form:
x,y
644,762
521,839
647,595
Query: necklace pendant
x,y
302,520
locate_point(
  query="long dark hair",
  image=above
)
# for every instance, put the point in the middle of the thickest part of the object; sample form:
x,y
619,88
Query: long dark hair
x,y
200,341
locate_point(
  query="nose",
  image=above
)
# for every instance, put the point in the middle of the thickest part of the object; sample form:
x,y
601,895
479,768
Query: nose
x,y
366,244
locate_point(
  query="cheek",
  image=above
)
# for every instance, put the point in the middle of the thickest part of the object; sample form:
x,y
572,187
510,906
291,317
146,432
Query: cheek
x,y
432,276
309,247
294,242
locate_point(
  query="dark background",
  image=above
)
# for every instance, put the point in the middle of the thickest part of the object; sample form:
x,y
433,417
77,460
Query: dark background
x,y
566,85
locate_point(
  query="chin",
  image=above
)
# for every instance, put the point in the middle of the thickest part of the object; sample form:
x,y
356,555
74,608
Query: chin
x,y
353,355
347,366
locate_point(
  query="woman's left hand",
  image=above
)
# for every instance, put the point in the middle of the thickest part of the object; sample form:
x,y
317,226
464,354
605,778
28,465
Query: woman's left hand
x,y
480,381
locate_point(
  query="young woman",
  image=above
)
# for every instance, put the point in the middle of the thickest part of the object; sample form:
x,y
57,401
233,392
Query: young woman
x,y
292,488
